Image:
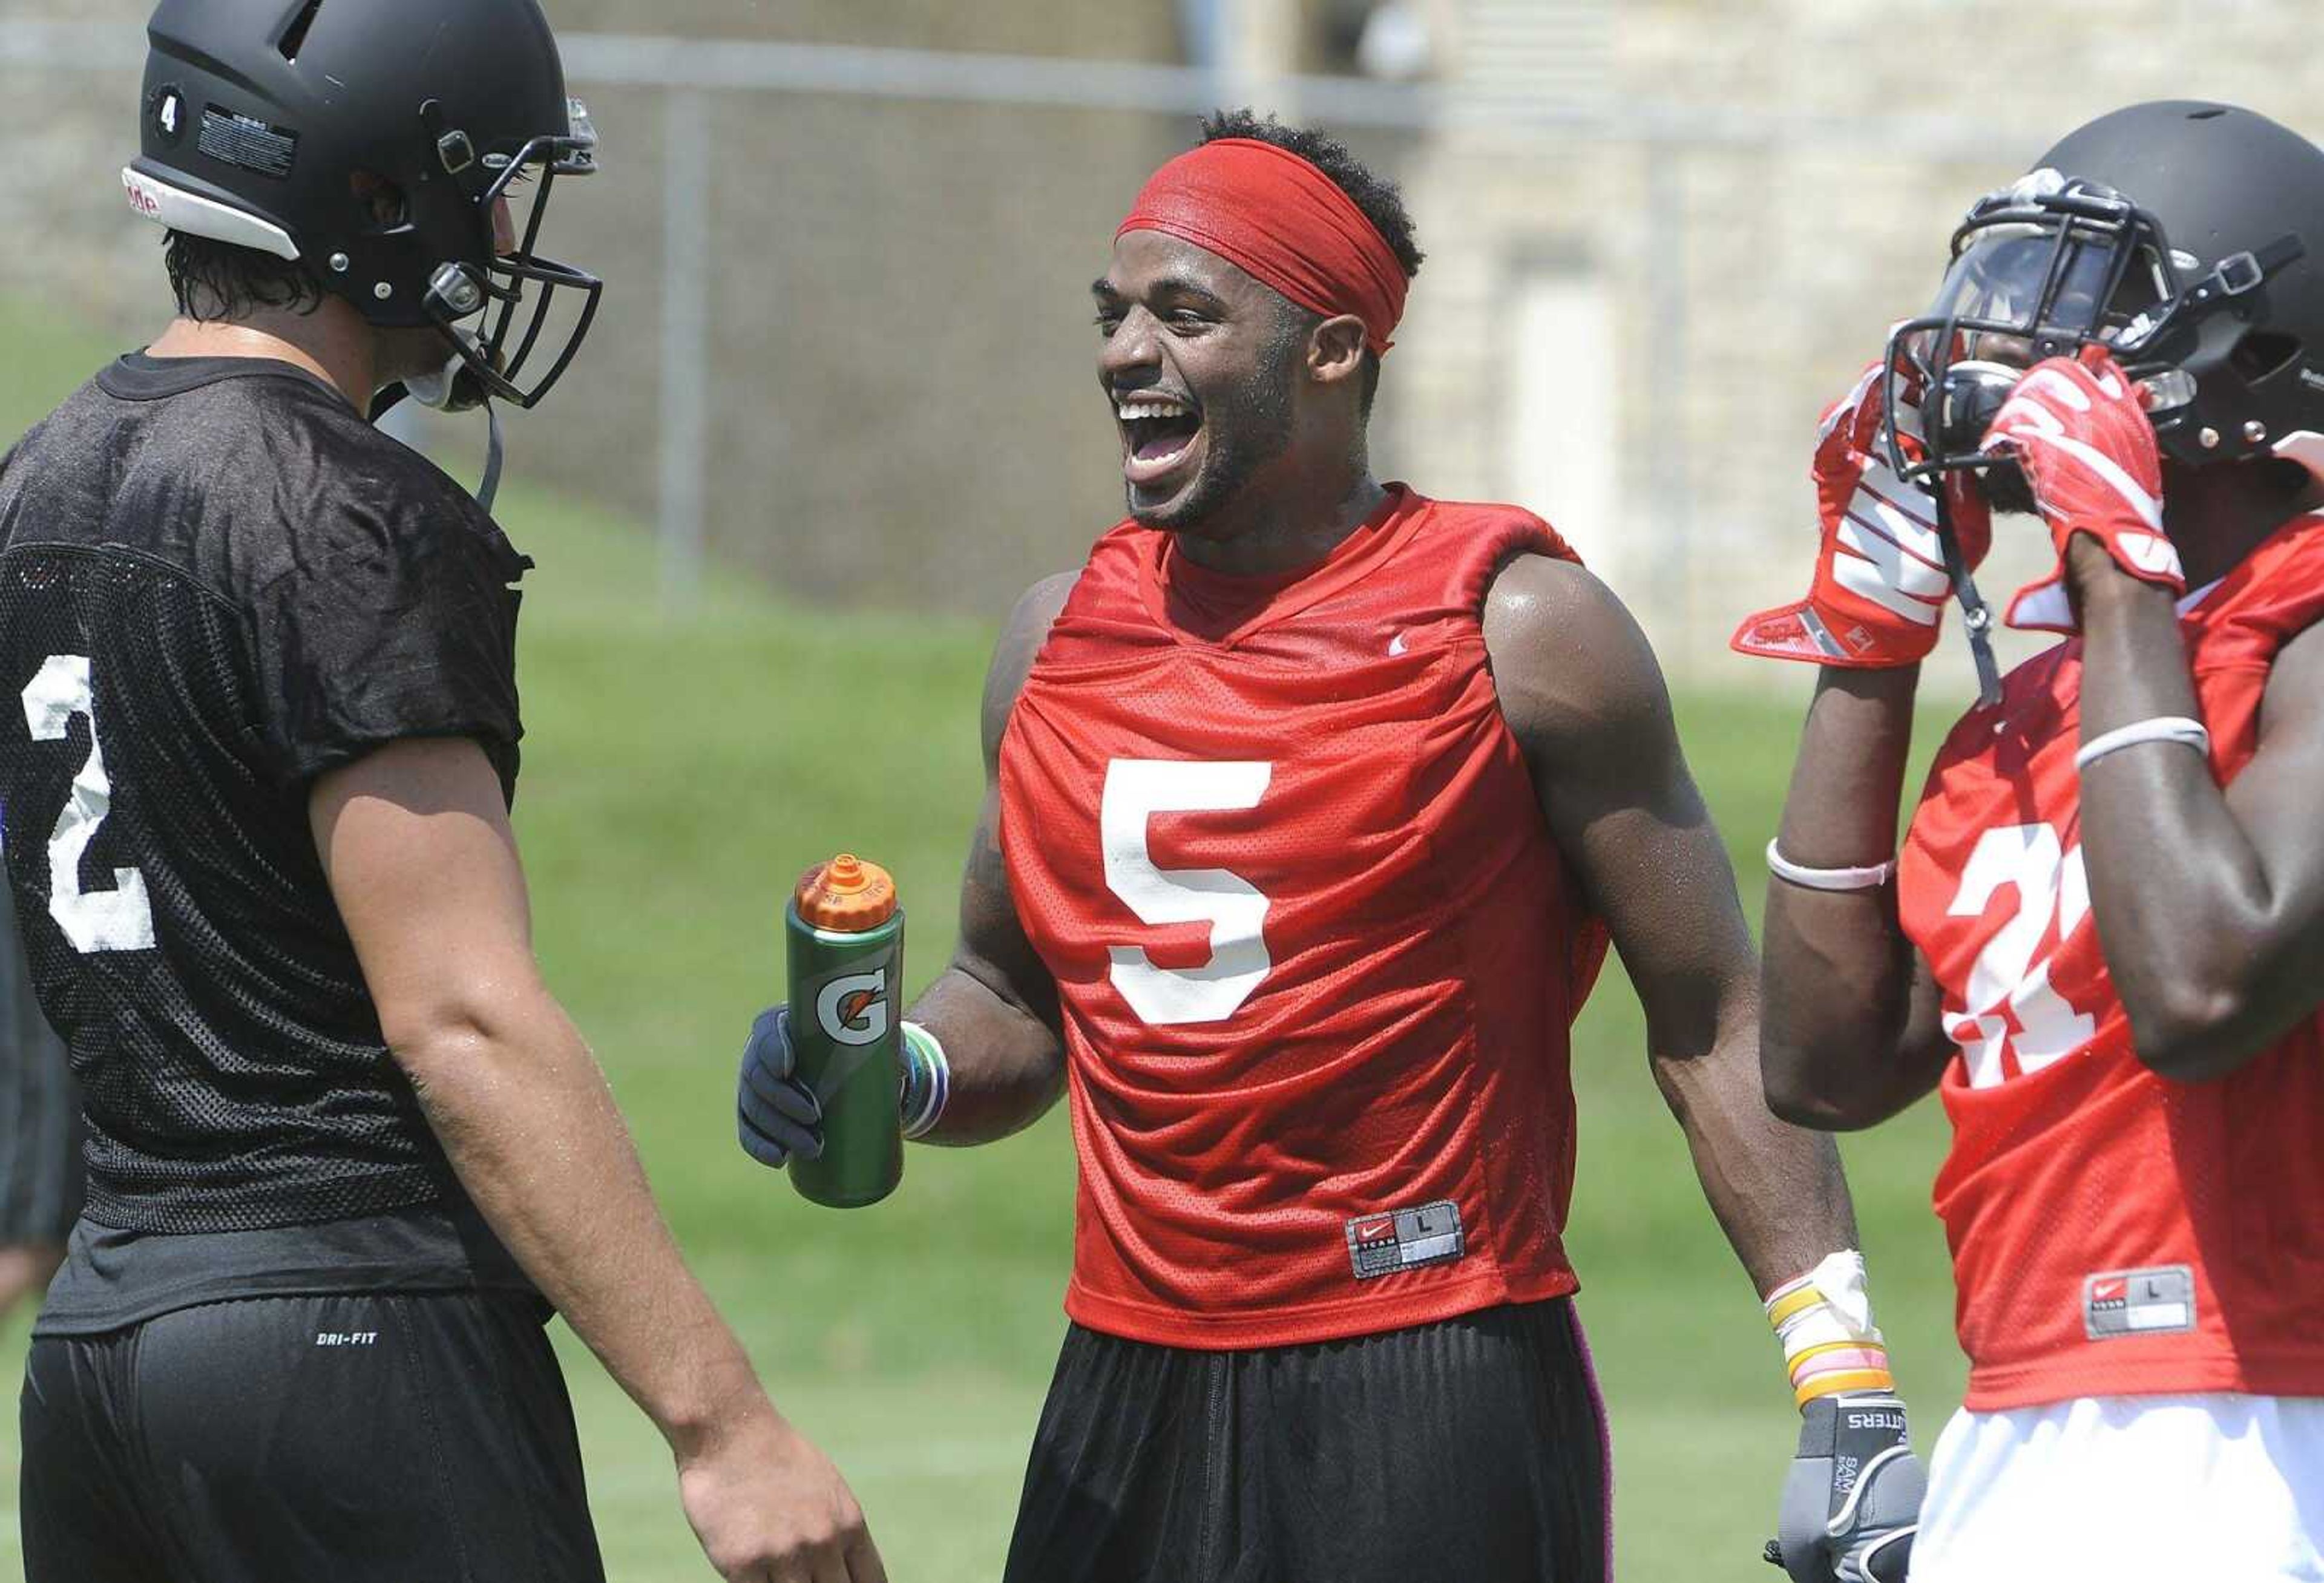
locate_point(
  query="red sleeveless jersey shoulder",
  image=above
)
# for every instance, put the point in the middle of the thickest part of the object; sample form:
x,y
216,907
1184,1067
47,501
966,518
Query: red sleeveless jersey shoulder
x,y
1315,951
2113,1232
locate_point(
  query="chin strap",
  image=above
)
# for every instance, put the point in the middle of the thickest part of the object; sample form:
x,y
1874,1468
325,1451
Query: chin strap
x,y
491,486
1976,616
452,389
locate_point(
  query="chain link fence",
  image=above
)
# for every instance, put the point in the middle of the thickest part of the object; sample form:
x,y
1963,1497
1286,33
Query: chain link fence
x,y
846,344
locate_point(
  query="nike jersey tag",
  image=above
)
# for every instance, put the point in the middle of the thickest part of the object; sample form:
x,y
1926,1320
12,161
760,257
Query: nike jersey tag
x,y
1404,1239
2138,1303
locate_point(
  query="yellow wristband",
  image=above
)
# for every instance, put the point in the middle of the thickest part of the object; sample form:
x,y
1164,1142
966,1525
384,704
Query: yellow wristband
x,y
1796,1300
1833,1384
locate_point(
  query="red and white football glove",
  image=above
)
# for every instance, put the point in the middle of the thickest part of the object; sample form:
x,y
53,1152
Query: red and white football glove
x,y
2075,427
1880,582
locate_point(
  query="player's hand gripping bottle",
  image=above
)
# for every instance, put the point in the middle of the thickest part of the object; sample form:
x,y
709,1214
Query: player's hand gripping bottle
x,y
844,932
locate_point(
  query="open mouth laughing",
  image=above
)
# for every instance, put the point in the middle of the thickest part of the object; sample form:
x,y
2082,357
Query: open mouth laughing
x,y
1159,436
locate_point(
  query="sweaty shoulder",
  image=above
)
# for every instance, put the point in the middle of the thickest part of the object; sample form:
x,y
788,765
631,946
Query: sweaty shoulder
x,y
1568,660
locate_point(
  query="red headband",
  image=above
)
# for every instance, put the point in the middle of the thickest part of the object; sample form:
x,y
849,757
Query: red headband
x,y
1285,222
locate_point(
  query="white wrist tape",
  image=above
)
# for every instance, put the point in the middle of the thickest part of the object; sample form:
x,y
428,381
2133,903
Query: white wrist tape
x,y
2162,728
1868,878
1824,1320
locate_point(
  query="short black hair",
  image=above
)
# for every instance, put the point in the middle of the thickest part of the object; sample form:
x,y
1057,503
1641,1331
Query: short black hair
x,y
1381,200
215,280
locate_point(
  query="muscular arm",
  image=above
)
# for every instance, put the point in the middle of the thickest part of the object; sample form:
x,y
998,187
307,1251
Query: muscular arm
x,y
995,1007
1585,699
2209,904
416,843
1850,1032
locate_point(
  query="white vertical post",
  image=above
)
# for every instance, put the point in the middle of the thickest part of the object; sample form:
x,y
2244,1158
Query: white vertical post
x,y
1667,383
684,344
1259,55
1560,423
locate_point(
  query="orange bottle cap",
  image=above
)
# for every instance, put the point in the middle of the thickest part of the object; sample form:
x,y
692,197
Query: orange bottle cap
x,y
846,896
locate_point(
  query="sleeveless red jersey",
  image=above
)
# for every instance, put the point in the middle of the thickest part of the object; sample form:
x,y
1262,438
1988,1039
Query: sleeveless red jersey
x,y
1315,948
2113,1232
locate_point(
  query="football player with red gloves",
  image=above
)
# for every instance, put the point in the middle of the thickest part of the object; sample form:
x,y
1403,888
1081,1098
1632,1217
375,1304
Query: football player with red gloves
x,y
2079,436
1881,576
2102,940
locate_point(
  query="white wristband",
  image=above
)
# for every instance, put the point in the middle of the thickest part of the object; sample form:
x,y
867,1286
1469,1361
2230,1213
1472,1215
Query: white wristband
x,y
1870,879
925,1107
2162,728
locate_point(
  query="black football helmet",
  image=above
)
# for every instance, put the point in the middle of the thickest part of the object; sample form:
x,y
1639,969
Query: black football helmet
x,y
268,125
2177,234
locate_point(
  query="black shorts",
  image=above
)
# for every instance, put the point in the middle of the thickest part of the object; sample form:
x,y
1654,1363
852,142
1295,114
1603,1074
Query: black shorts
x,y
1473,1449
381,1438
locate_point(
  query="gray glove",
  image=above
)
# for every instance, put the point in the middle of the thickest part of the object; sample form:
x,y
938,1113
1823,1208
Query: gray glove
x,y
780,1118
1852,1500
777,1114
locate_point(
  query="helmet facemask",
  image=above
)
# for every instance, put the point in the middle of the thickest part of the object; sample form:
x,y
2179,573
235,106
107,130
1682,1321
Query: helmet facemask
x,y
490,357
2042,268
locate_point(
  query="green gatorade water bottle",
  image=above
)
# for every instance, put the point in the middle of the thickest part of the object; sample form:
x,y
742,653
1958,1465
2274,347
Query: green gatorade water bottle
x,y
845,938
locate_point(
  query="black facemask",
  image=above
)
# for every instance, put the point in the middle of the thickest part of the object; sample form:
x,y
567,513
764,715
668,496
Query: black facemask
x,y
2042,268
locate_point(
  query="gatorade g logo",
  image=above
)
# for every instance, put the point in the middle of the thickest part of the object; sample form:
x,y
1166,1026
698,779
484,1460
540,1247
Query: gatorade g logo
x,y
853,1010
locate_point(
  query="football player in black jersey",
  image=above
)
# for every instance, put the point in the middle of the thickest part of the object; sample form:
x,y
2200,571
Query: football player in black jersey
x,y
344,1150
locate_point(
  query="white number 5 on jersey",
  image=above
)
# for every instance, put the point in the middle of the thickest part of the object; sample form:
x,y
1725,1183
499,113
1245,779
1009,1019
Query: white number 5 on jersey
x,y
1136,789
120,918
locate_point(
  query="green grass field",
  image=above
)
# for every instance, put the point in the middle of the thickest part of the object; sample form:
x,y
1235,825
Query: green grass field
x,y
677,776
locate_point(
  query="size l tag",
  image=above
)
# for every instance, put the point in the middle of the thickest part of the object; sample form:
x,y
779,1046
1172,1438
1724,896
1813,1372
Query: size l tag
x,y
1404,1239
2138,1303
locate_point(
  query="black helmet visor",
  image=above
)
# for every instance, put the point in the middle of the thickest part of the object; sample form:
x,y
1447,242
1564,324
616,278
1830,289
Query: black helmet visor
x,y
2044,285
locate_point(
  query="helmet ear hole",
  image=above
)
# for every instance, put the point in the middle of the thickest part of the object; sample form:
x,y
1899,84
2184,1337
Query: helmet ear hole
x,y
2261,354
384,206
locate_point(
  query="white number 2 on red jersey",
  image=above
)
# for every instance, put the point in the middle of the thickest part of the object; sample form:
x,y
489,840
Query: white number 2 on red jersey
x,y
2007,986
1136,789
120,918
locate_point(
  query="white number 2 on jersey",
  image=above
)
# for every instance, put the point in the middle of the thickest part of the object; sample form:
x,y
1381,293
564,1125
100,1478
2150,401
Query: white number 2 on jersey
x,y
1136,789
120,918
2051,884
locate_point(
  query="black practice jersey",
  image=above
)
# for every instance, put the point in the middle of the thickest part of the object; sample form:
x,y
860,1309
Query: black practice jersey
x,y
217,582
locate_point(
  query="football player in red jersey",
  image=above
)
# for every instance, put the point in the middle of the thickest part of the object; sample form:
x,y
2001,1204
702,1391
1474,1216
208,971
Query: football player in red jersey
x,y
2103,941
1313,802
